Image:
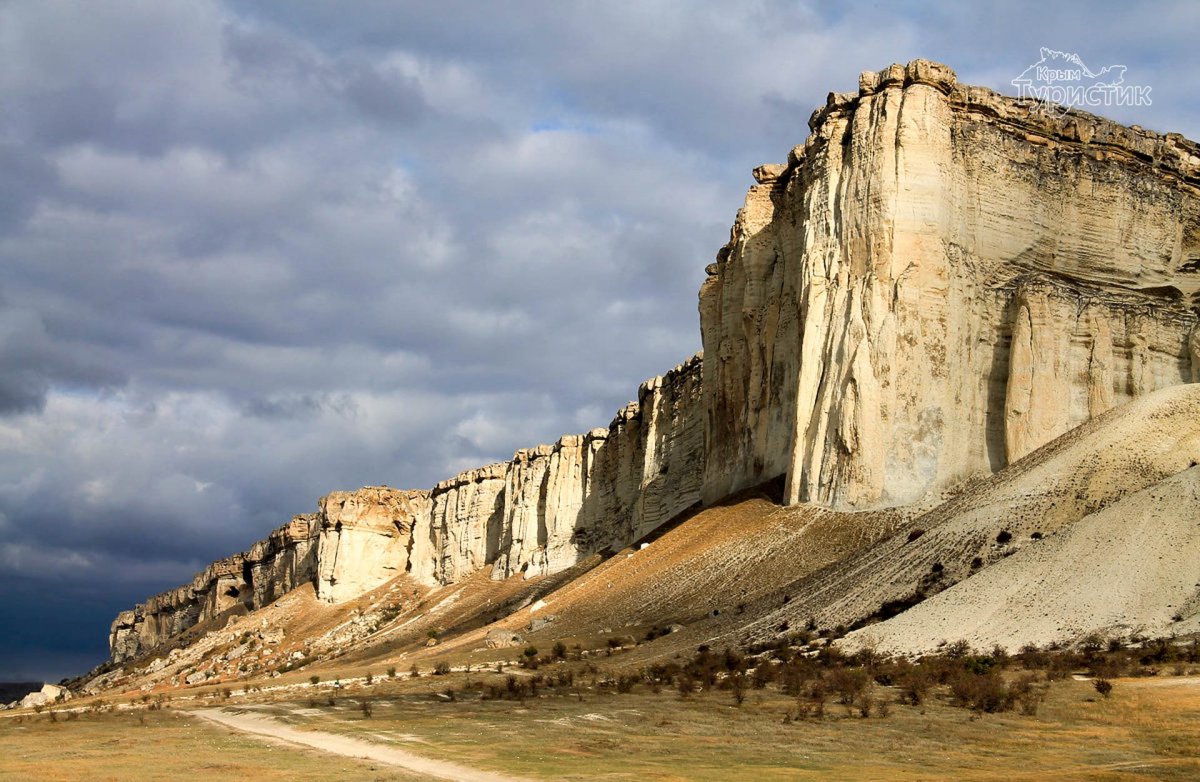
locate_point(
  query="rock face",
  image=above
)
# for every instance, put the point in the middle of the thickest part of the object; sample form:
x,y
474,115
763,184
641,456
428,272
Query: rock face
x,y
608,488
464,531
366,537
283,561
937,282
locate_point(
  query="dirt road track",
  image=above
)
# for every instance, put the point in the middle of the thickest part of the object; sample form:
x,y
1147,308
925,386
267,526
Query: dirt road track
x,y
350,747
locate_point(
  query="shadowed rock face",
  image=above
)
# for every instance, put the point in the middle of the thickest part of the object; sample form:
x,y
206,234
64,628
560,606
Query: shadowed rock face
x,y
255,578
936,283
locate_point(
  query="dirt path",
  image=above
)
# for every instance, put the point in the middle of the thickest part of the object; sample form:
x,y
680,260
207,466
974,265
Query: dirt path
x,y
350,747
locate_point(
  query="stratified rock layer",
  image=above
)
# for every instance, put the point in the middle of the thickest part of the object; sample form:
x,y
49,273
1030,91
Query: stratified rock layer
x,y
936,283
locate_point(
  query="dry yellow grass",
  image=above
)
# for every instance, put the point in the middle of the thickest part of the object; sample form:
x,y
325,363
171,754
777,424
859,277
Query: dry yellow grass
x,y
160,745
1148,729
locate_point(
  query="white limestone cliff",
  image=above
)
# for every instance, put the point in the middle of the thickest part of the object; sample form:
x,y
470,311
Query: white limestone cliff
x,y
366,537
937,282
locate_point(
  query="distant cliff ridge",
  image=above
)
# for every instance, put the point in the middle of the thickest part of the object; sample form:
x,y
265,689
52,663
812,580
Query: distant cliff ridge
x,y
937,282
538,513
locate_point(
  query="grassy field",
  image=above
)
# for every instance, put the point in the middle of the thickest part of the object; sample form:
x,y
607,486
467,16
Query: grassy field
x,y
1148,729
160,745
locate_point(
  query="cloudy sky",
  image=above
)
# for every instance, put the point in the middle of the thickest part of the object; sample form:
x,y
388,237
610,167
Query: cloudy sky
x,y
251,252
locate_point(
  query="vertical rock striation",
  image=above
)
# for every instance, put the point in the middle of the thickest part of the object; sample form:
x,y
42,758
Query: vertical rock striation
x,y
366,538
938,281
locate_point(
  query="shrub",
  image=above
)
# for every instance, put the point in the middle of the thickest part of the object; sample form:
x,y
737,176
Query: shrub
x,y
531,651
958,650
392,672
848,683
1103,686
441,669
1027,694
560,650
314,679
365,707
414,672
738,685
981,692
370,678
1004,537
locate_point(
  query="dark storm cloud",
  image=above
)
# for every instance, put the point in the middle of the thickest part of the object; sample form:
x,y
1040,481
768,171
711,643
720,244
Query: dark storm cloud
x,y
253,252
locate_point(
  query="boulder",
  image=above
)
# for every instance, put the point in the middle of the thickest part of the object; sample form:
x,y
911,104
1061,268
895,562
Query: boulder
x,y
500,638
49,694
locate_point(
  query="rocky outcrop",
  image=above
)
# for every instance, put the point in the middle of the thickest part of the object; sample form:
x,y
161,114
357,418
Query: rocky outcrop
x,y
47,696
939,280
270,568
283,561
366,537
